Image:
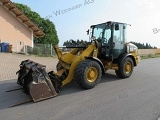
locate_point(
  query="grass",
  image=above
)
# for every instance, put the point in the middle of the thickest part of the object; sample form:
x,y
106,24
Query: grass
x,y
149,56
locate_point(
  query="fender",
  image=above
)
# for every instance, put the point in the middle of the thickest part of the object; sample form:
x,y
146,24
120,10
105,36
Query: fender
x,y
99,61
123,56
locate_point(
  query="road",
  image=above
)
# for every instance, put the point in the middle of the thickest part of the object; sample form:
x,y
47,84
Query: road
x,y
134,98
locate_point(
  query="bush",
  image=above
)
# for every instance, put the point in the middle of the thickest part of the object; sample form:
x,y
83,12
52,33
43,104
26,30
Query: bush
x,y
37,51
151,55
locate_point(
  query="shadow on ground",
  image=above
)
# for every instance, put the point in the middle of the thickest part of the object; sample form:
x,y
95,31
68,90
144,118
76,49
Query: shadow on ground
x,y
74,87
10,98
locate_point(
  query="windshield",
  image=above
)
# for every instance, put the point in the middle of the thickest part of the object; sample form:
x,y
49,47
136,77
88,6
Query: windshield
x,y
98,31
102,32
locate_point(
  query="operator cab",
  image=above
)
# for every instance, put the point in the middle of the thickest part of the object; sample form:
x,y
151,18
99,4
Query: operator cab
x,y
111,37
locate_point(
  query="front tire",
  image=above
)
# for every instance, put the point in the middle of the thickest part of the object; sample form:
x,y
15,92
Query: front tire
x,y
88,73
125,68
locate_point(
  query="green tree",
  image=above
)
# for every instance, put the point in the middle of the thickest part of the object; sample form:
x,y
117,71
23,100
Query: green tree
x,y
143,46
46,25
147,46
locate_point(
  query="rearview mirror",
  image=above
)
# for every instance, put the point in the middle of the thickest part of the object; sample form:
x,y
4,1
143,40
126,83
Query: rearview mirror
x,y
87,32
116,26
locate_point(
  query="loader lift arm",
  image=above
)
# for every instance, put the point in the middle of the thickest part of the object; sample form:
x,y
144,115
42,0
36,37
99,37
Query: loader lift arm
x,y
72,59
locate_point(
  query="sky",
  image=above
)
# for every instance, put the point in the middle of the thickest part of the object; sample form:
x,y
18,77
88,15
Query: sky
x,y
72,18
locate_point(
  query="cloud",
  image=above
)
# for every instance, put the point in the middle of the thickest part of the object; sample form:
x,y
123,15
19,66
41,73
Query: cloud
x,y
147,3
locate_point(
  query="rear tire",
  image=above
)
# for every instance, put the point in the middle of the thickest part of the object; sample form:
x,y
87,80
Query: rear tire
x,y
88,73
125,68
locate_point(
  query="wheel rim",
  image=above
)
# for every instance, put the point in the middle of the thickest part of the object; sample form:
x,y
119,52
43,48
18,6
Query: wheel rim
x,y
92,74
128,67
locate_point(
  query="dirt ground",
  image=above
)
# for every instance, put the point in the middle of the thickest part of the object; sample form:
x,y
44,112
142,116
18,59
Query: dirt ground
x,y
9,64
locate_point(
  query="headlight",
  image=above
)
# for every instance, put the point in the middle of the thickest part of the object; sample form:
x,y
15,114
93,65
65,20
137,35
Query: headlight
x,y
131,48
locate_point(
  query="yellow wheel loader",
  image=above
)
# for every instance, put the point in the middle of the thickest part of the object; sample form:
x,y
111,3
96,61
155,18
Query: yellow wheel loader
x,y
85,63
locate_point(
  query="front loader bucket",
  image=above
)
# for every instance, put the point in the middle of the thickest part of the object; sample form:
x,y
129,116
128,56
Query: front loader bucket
x,y
35,81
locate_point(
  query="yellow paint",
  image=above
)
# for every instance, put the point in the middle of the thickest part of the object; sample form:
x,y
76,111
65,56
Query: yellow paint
x,y
77,59
92,74
59,73
58,51
128,67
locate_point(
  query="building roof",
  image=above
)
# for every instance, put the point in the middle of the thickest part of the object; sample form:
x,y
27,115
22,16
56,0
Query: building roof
x,y
24,19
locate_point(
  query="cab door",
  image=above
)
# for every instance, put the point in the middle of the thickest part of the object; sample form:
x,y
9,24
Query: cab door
x,y
118,39
106,43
